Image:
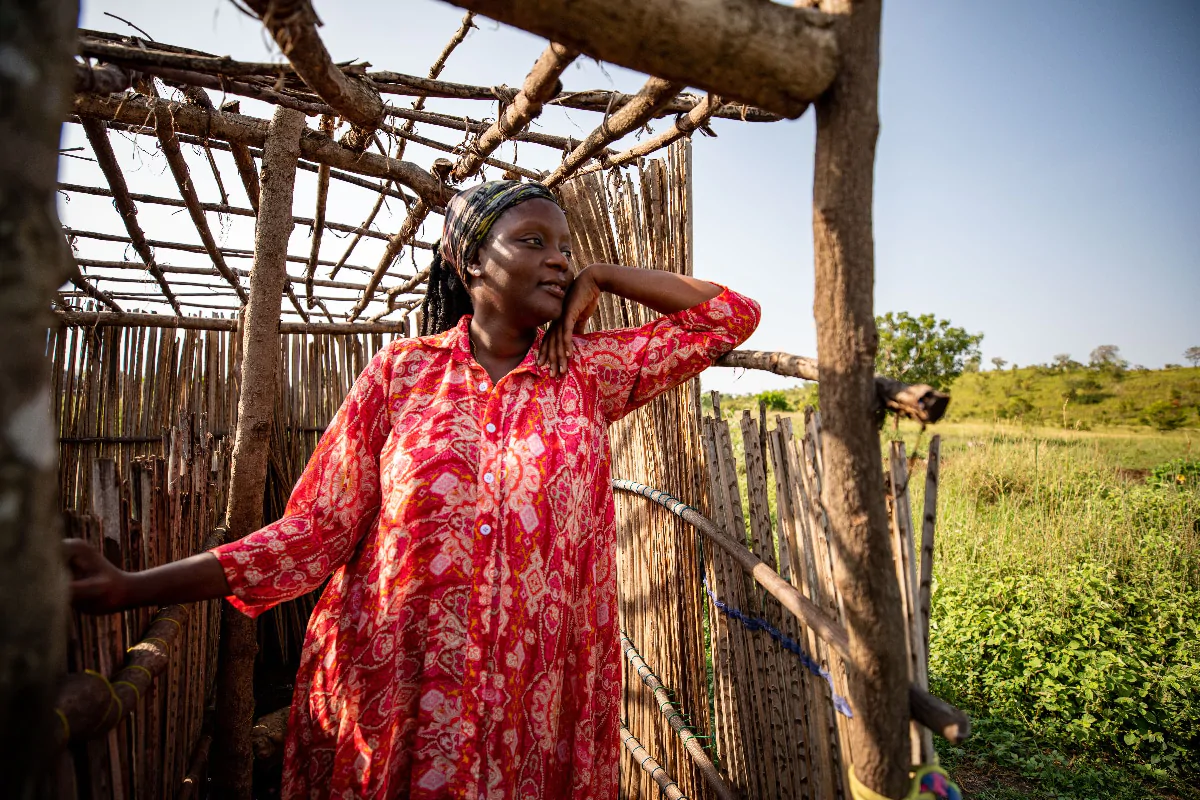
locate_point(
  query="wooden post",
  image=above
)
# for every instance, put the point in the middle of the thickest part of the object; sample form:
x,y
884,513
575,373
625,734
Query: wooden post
x,y
847,129
38,41
233,758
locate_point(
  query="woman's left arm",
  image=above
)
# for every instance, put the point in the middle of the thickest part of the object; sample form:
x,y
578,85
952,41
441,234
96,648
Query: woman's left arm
x,y
664,292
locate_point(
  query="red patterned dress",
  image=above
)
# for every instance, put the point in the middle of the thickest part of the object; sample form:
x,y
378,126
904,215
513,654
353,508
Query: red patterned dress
x,y
466,645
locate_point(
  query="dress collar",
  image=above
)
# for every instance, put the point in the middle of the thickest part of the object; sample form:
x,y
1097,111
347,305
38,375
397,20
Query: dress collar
x,y
458,341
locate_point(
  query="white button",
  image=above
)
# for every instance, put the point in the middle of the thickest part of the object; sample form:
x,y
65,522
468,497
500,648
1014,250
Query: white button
x,y
489,478
482,386
491,428
485,529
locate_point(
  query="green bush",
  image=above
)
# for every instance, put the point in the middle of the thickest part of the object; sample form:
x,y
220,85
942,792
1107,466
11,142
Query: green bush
x,y
1165,415
1066,610
1180,473
776,400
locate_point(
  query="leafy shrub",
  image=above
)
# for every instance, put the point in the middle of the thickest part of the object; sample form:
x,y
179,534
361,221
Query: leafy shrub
x,y
1165,415
1179,473
1016,408
775,400
1093,658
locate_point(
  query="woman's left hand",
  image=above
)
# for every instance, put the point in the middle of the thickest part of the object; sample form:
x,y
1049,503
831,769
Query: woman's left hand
x,y
578,307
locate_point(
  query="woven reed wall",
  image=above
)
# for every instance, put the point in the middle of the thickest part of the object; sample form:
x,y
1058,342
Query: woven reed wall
x,y
145,419
644,218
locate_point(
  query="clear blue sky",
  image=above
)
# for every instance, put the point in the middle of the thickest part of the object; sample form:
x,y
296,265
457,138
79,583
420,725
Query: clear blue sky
x,y
1038,172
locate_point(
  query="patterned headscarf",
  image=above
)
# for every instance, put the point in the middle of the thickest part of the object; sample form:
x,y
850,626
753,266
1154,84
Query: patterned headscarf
x,y
471,213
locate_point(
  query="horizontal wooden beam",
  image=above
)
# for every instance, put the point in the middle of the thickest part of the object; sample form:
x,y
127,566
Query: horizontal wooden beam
x,y
235,149
765,54
251,131
89,704
104,319
221,73
230,252
221,208
94,263
918,401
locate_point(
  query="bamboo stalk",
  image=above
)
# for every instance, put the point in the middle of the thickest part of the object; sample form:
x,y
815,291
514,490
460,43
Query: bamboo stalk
x,y
675,719
935,714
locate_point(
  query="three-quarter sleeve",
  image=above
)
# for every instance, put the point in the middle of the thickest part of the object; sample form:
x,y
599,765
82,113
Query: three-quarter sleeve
x,y
335,501
634,365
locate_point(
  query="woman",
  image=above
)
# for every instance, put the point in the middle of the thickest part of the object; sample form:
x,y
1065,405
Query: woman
x,y
466,645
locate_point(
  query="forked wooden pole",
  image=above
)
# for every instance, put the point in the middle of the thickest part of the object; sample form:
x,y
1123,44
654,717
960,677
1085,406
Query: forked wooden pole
x,y
233,758
293,24
853,494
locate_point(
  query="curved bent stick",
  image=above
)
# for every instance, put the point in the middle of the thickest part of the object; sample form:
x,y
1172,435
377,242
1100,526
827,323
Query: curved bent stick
x,y
932,712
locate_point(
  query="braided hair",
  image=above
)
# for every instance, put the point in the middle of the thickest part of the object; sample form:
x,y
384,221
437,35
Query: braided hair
x,y
470,215
446,298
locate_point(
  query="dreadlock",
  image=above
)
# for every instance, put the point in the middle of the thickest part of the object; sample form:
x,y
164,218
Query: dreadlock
x,y
446,299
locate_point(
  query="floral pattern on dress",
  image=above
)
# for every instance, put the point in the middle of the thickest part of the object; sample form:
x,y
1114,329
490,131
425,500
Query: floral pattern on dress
x,y
466,645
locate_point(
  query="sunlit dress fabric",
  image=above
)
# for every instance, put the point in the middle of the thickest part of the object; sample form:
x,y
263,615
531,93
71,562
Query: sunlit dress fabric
x,y
466,645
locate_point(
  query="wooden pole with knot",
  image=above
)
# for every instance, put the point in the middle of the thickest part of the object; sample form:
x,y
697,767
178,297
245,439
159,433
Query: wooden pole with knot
x,y
233,758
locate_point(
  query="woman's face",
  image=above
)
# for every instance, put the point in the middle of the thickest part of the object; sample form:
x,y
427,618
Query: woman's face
x,y
525,264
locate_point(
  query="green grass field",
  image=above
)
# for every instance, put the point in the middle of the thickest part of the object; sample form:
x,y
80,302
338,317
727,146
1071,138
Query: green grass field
x,y
1066,605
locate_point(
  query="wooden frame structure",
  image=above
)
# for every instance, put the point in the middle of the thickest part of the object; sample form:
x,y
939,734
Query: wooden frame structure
x,y
756,61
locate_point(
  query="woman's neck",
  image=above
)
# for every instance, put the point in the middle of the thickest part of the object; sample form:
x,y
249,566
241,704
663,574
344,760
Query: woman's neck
x,y
498,345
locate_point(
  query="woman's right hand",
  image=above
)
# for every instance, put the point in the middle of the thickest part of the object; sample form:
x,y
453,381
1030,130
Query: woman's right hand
x,y
97,585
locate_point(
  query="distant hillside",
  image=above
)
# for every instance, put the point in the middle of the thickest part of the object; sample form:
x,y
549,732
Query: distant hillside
x,y
1164,398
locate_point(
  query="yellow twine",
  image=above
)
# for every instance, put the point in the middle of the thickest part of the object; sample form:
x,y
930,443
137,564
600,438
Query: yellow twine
x,y
149,674
149,639
136,693
860,791
172,620
114,698
66,725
